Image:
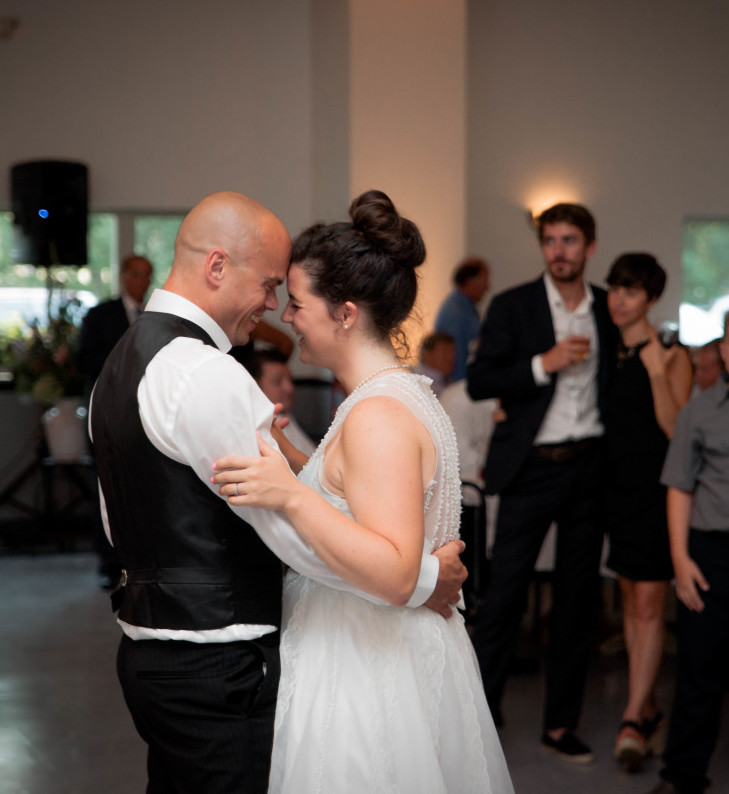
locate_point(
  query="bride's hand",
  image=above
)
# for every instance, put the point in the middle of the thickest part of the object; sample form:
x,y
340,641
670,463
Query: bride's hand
x,y
279,421
264,481
294,457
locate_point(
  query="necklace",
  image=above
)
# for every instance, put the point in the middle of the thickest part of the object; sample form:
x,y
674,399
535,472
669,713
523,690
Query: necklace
x,y
372,375
625,352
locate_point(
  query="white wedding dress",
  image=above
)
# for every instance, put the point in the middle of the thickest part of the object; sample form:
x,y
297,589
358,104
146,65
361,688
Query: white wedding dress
x,y
375,698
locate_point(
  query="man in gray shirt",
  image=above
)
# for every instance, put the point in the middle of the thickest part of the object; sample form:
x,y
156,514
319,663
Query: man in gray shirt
x,y
696,473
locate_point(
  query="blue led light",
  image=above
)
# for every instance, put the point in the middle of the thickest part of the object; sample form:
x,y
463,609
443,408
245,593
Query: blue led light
x,y
43,213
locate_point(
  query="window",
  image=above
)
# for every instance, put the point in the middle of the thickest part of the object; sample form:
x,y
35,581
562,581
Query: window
x,y
154,238
705,265
24,288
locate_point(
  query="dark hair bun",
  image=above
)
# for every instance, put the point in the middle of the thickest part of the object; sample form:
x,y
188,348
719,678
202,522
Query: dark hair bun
x,y
374,215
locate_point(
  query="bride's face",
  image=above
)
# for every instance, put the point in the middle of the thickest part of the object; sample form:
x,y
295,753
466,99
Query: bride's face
x,y
310,320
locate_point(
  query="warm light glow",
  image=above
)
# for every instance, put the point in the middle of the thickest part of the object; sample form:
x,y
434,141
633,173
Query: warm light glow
x,y
544,196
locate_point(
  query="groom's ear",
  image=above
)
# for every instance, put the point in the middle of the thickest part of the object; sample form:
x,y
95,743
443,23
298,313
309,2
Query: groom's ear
x,y
215,265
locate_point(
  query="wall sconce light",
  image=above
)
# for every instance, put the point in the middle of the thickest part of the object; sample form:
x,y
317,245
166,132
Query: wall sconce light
x,y
552,191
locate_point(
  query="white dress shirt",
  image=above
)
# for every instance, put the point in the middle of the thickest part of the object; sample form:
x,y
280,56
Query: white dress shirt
x,y
131,307
197,404
573,413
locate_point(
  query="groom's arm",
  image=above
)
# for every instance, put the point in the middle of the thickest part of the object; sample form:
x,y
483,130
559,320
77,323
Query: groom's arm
x,y
216,410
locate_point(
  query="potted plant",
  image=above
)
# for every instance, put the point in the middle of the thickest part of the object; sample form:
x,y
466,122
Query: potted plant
x,y
40,357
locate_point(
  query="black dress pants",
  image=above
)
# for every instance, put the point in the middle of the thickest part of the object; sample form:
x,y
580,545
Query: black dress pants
x,y
205,711
702,669
545,491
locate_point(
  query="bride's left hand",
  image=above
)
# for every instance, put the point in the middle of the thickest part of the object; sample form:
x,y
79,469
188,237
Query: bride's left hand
x,y
264,481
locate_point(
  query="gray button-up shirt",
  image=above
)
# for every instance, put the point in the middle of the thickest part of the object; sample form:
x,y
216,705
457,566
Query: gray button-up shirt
x,y
698,457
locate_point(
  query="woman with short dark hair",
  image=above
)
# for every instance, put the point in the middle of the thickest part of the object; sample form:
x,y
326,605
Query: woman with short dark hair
x,y
650,385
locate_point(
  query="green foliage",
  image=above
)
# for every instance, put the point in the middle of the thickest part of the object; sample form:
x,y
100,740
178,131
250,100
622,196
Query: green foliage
x,y
705,261
154,238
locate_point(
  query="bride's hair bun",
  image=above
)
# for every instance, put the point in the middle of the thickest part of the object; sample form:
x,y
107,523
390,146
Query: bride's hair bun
x,y
370,261
374,215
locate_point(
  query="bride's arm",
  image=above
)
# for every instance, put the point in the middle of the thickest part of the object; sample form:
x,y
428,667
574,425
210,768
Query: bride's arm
x,y
379,464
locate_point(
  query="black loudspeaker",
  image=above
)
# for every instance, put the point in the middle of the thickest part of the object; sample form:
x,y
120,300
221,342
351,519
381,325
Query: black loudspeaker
x,y
51,207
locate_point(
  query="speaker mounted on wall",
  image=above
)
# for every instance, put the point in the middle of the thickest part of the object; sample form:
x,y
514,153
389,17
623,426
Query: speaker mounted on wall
x,y
50,206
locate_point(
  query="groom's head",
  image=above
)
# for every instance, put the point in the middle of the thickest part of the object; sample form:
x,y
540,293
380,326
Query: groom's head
x,y
231,253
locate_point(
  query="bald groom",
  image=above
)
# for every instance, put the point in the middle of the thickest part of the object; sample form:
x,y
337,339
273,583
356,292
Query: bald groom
x,y
200,605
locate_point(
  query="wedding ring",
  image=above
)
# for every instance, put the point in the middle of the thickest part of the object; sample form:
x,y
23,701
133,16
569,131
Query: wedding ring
x,y
235,486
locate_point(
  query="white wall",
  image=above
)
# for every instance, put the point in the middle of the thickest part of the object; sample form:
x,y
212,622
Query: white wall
x,y
302,103
165,101
622,105
408,136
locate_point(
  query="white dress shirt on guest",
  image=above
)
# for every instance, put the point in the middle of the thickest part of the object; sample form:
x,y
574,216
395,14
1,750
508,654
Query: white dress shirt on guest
x,y
573,412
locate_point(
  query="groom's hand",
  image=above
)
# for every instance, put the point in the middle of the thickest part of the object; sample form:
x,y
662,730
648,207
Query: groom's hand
x,y
451,576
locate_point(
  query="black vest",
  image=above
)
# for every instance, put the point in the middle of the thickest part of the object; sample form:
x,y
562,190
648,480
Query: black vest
x,y
190,562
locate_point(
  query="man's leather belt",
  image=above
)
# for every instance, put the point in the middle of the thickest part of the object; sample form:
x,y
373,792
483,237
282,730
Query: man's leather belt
x,y
176,576
562,453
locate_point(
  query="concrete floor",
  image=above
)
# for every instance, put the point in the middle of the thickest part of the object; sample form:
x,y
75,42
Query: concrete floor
x,y
64,728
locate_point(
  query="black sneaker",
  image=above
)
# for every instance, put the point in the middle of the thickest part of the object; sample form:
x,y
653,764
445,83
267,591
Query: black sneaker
x,y
568,747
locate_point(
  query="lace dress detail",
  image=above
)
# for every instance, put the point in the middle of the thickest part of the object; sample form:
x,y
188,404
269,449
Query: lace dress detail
x,y
376,699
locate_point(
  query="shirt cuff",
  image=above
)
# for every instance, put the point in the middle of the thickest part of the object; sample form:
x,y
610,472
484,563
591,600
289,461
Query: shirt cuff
x,y
541,378
429,569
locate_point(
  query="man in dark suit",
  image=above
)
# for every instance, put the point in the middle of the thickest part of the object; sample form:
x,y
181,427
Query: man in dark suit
x,y
103,326
545,349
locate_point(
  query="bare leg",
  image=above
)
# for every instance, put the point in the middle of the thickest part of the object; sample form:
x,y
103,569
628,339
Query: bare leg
x,y
644,638
644,628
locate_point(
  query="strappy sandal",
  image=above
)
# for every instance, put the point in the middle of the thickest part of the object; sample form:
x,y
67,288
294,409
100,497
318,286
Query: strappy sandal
x,y
631,746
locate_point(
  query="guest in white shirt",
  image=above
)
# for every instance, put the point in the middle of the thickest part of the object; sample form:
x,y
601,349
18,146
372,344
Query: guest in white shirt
x,y
545,350
437,355
271,372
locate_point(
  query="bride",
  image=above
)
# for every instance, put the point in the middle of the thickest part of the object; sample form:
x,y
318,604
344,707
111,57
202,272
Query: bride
x,y
373,698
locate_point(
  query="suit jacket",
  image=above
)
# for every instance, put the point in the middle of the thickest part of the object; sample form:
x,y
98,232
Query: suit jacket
x,y
517,327
103,326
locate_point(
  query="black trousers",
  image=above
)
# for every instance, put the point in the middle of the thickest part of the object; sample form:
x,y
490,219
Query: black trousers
x,y
702,669
205,711
545,491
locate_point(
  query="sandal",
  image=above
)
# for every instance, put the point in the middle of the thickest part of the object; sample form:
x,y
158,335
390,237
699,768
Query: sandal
x,y
654,730
631,746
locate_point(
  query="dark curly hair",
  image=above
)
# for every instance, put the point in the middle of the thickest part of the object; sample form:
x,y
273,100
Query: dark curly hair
x,y
638,270
370,261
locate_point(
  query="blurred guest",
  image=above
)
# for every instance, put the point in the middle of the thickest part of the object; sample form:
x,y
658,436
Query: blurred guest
x,y
696,473
435,359
708,365
458,314
473,422
104,324
545,349
650,385
271,372
102,327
